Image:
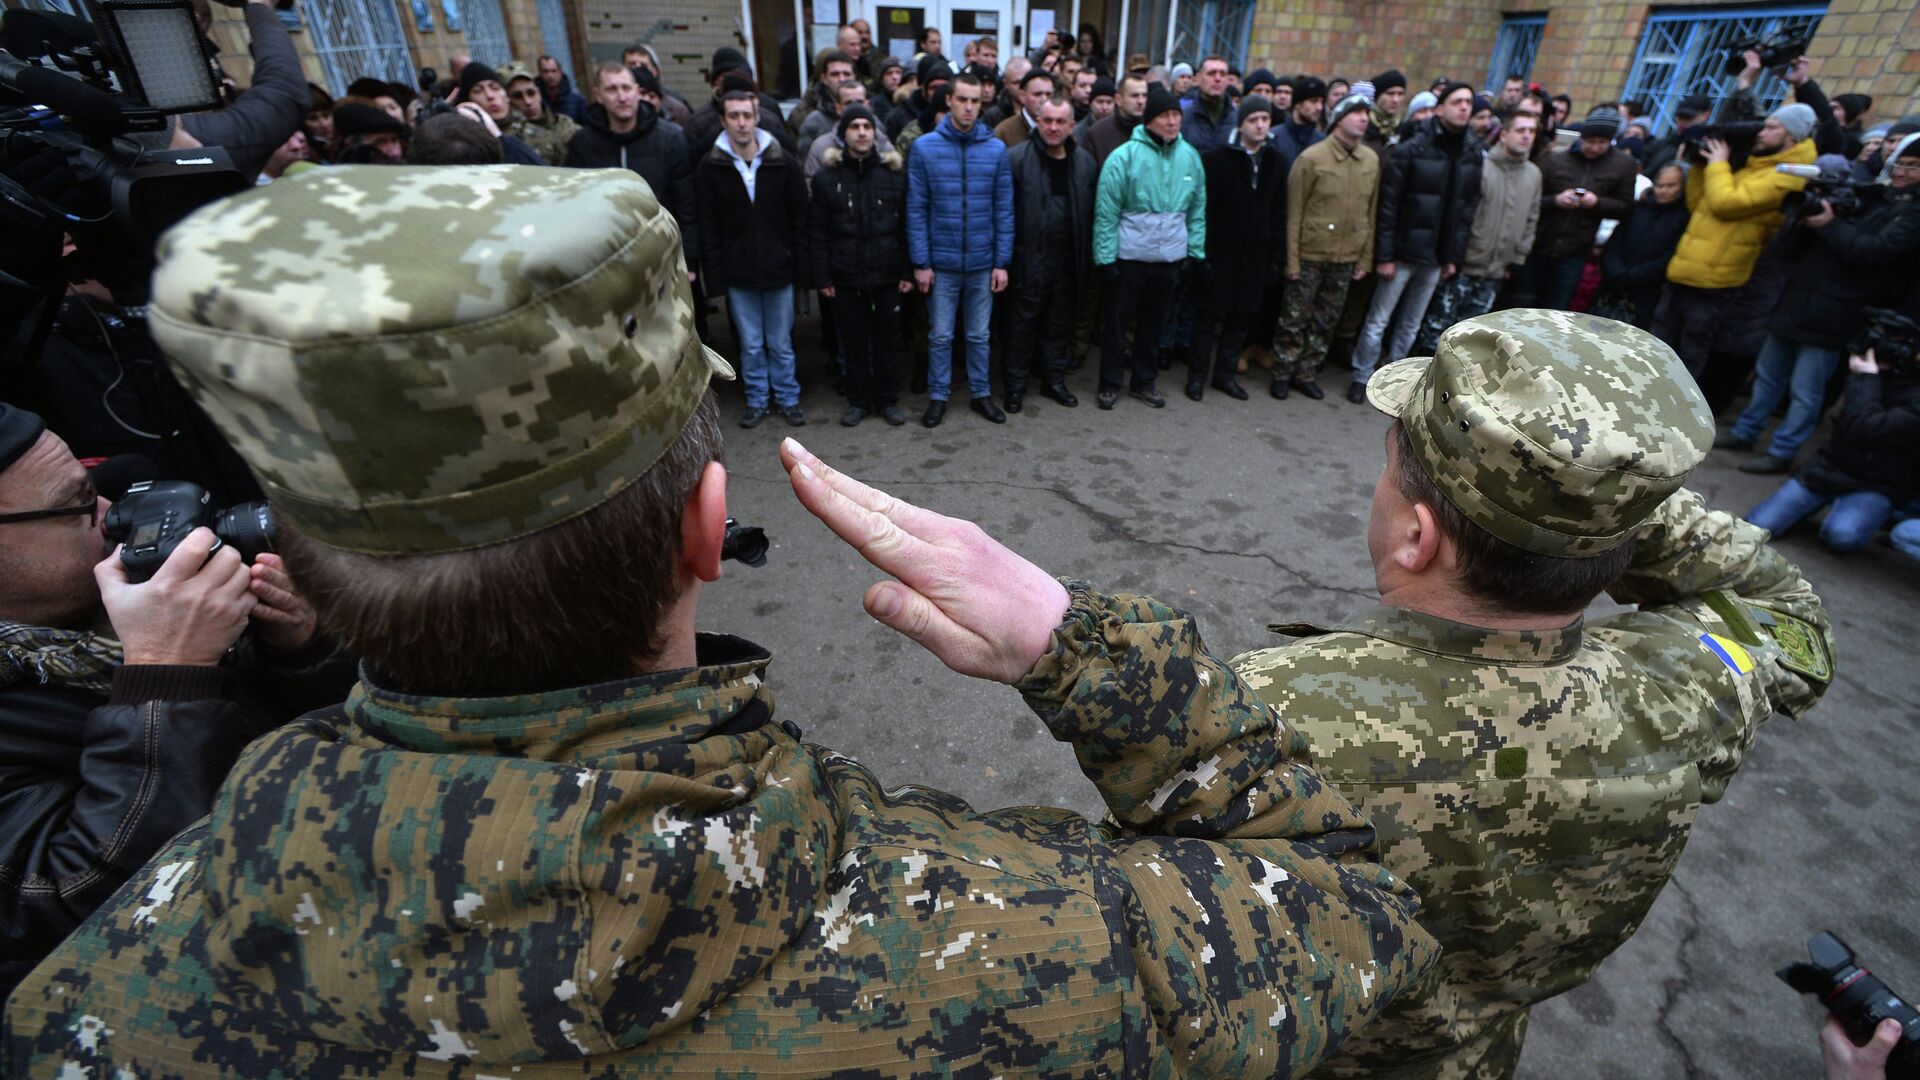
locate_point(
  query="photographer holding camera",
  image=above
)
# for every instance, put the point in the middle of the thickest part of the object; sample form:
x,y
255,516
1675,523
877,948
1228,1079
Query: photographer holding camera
x,y
122,705
1852,250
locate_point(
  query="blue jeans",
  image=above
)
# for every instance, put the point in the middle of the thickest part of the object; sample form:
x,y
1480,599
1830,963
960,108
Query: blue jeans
x,y
1399,305
1849,526
1906,537
951,288
764,318
1785,367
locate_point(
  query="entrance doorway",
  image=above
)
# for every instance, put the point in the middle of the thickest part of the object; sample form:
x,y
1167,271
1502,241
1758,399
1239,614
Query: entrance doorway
x,y
897,26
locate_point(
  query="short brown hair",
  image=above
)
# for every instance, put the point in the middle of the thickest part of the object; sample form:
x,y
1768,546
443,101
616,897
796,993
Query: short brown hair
x,y
452,139
609,67
1502,574
577,603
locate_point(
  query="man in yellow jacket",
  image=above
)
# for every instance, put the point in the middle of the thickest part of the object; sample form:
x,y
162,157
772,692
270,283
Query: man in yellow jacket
x,y
1735,213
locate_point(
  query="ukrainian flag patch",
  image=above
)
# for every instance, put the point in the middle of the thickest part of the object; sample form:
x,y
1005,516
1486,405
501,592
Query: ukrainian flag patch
x,y
1730,652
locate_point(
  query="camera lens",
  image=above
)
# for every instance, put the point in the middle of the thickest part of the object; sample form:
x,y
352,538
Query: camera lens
x,y
246,527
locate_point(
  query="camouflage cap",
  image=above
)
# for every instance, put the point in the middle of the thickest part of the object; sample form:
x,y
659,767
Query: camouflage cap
x,y
513,71
420,360
1554,431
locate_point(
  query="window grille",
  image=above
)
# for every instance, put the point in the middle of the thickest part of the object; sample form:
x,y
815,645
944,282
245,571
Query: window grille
x,y
1684,52
1514,49
1205,28
358,38
553,33
486,31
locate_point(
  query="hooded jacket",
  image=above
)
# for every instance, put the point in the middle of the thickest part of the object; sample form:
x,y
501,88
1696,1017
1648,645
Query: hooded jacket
x,y
756,241
959,200
1734,215
859,220
1509,216
652,148
1565,233
1152,202
566,101
656,875
1428,197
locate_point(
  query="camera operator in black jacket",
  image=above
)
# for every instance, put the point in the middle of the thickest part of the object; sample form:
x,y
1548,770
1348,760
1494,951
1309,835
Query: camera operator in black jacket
x,y
121,704
1842,266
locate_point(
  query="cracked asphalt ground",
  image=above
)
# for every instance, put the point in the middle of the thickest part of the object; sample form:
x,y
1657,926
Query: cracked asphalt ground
x,y
1246,513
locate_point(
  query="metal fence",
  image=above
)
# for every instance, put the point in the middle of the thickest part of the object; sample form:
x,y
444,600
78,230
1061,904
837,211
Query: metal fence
x,y
486,31
358,38
1685,52
1514,49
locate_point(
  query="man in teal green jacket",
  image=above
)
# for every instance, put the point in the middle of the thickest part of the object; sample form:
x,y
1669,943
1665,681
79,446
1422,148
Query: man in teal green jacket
x,y
1149,223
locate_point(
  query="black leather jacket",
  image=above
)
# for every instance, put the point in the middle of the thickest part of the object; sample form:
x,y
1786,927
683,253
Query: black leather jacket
x,y
90,786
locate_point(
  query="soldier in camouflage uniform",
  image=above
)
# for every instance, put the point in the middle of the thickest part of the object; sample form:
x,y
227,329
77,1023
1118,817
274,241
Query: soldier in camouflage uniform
x,y
534,121
650,873
1535,776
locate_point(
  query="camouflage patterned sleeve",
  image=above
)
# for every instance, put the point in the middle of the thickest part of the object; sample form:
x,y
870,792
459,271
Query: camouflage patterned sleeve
x,y
1170,735
1689,556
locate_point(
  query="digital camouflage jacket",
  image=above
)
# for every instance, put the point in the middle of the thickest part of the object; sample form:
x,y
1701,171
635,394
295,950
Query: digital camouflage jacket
x,y
1537,787
653,876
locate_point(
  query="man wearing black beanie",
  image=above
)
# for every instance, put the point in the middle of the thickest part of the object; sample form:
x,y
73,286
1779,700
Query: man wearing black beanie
x,y
1389,93
858,259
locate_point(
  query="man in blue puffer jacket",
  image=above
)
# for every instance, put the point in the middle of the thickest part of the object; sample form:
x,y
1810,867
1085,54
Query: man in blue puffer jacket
x,y
960,237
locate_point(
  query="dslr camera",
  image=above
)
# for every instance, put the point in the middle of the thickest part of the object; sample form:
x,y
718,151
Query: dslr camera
x,y
1858,999
156,515
1774,54
1894,339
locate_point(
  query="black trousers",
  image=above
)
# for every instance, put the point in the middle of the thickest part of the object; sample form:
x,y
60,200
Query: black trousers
x,y
868,322
1039,331
1688,319
1216,331
1143,296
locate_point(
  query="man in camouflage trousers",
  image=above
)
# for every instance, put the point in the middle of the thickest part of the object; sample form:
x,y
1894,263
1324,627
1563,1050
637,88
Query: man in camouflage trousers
x,y
554,832
1332,193
1533,776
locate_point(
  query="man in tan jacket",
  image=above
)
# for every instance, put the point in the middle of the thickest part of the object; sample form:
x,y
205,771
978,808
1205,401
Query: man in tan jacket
x,y
1332,193
1503,233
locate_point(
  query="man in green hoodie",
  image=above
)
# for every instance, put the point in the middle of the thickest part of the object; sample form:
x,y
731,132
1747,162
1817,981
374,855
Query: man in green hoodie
x,y
1149,222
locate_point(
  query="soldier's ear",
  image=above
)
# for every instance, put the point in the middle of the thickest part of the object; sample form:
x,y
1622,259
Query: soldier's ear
x,y
1420,547
703,524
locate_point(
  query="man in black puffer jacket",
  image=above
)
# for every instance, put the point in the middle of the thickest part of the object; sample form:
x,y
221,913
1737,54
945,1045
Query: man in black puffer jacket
x,y
121,704
1053,188
1429,191
1844,265
622,132
859,259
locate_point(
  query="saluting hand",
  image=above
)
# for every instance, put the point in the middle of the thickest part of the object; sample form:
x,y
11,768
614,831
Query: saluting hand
x,y
978,607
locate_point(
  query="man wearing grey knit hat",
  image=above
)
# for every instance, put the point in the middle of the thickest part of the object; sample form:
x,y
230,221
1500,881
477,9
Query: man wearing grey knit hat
x,y
1735,213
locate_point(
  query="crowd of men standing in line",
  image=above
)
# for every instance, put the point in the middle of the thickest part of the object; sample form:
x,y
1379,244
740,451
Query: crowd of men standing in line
x,y
1212,220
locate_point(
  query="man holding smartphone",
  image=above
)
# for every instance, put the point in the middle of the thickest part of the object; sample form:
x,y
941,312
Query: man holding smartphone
x,y
1581,186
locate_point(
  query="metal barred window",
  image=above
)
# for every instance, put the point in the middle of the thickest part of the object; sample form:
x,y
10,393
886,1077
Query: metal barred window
x,y
1685,52
1514,49
1204,28
486,31
553,32
358,38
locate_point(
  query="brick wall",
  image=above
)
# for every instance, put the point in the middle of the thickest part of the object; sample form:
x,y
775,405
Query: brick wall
x,y
1868,46
684,35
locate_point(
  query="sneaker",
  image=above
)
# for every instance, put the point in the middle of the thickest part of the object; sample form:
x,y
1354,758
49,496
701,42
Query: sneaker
x,y
892,415
853,416
752,417
1149,396
793,416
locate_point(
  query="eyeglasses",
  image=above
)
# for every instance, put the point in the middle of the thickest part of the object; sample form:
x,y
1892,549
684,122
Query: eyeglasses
x,y
36,515
1904,168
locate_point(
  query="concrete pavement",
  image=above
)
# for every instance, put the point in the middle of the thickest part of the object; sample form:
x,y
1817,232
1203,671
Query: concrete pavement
x,y
1255,512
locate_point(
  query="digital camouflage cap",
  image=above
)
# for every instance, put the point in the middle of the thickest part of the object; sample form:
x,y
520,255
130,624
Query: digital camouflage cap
x,y
1555,431
419,360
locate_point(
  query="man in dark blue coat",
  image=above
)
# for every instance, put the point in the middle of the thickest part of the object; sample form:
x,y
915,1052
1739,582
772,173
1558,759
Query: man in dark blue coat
x,y
960,237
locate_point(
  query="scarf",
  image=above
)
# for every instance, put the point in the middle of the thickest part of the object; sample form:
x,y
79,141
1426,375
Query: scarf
x,y
75,658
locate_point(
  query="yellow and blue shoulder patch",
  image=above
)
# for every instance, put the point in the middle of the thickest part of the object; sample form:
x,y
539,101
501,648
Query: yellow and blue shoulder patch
x,y
1730,652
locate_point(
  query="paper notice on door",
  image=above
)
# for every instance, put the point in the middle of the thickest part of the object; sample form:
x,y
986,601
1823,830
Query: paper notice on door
x,y
987,22
1039,22
901,49
827,11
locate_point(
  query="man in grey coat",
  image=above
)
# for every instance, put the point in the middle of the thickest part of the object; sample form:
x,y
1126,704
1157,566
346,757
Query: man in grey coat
x,y
1503,233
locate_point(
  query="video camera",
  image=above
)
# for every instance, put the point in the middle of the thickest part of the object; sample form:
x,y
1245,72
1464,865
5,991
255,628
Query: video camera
x,y
1776,53
1834,190
1894,339
1739,137
1858,999
73,93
